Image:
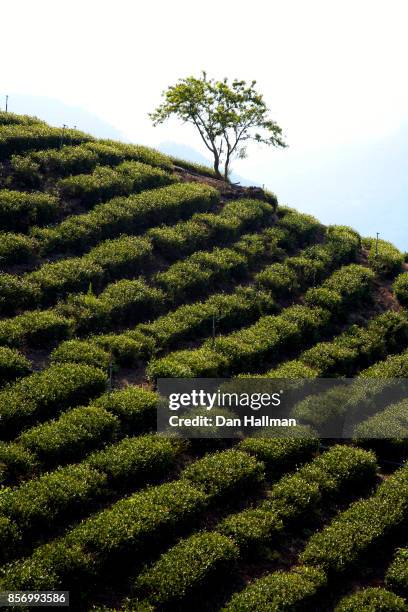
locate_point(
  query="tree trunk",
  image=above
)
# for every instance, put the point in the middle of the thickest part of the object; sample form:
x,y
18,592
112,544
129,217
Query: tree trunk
x,y
226,168
217,166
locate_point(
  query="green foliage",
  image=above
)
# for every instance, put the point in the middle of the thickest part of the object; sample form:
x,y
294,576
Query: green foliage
x,y
269,334
221,474
396,577
130,524
121,255
71,436
124,301
386,432
75,488
205,229
199,270
279,279
9,535
323,297
292,497
32,168
26,171
112,152
347,286
45,393
53,280
61,162
279,454
352,282
129,300
225,115
60,277
365,524
7,118
35,328
385,258
127,349
372,599
394,366
126,215
134,406
345,241
16,248
311,265
300,228
352,350
279,592
292,369
247,346
400,288
80,351
334,404
20,210
40,502
104,182
186,566
13,365
18,138
203,362
136,460
42,427
229,310
15,461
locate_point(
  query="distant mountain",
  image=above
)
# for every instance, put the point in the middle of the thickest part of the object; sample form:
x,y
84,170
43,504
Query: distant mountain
x,y
57,113
190,154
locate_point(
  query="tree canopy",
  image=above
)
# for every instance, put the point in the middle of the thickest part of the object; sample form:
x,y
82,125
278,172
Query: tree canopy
x,y
226,115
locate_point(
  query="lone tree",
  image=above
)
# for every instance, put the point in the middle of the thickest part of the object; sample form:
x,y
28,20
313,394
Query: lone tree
x,y
226,116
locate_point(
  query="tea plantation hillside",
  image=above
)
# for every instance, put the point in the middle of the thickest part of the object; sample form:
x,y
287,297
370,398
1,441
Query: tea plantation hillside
x,y
120,265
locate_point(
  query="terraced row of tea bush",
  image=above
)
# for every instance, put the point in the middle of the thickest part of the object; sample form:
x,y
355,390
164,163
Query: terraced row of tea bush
x,y
117,270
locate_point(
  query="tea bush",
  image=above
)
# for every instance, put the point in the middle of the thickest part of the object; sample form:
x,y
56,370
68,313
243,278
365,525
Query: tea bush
x,y
187,566
7,118
35,328
38,503
16,249
13,365
385,259
365,524
104,182
133,461
81,351
134,406
128,525
112,152
279,592
221,474
126,215
45,393
397,574
328,477
372,598
400,288
20,210
70,436
17,138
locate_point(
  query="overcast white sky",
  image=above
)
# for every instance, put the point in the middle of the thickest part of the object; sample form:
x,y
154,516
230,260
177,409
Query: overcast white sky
x,y
333,72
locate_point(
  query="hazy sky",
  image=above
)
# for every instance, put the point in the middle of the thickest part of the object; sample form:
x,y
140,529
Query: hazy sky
x,y
333,72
